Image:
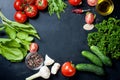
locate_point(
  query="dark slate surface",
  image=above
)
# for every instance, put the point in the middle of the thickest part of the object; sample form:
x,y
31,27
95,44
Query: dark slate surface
x,y
62,40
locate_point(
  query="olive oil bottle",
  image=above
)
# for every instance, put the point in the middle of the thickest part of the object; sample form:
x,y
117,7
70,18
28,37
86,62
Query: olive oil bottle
x,y
105,7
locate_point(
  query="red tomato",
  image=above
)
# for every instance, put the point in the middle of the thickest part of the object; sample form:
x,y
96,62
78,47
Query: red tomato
x,y
89,18
41,4
18,5
31,11
68,69
33,47
29,1
75,2
92,2
20,17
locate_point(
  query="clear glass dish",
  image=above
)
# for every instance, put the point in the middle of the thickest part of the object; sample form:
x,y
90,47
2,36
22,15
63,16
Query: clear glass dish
x,y
34,61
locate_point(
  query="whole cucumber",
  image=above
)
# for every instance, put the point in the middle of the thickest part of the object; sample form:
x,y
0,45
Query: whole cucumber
x,y
93,58
90,68
106,60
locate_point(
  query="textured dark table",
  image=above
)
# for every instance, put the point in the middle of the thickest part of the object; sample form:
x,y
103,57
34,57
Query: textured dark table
x,y
62,40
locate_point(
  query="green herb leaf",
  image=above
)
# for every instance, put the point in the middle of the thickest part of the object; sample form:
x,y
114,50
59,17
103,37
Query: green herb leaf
x,y
18,40
10,31
24,51
12,54
12,43
1,27
22,35
26,44
29,38
3,40
29,31
20,25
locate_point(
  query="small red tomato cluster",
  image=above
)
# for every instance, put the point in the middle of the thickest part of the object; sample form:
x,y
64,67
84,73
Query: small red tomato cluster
x,y
28,9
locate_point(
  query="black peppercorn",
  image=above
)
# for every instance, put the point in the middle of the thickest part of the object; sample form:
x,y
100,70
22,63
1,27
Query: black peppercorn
x,y
34,61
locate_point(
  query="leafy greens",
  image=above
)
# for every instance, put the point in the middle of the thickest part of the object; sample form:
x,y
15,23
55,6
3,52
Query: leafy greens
x,y
107,38
15,47
56,6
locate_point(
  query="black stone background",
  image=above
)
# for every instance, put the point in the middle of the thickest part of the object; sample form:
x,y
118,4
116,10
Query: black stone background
x,y
63,40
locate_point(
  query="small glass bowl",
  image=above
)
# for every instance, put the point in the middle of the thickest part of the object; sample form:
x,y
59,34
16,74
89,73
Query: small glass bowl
x,y
34,61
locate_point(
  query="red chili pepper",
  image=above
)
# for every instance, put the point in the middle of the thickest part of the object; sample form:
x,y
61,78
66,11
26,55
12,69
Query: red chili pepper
x,y
79,11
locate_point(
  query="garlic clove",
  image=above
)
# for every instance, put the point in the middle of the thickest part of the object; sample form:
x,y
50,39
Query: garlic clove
x,y
55,68
45,72
48,61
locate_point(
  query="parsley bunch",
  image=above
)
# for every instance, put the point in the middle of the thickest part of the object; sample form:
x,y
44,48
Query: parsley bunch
x,y
107,38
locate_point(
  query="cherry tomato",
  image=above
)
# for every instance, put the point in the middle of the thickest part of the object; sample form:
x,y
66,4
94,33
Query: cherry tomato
x,y
31,11
20,17
33,47
68,69
18,5
75,2
29,1
92,2
41,4
89,18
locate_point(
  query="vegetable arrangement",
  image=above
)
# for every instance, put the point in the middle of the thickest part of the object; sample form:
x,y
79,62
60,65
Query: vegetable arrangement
x,y
68,69
93,58
89,17
44,72
106,60
98,59
107,37
15,47
29,8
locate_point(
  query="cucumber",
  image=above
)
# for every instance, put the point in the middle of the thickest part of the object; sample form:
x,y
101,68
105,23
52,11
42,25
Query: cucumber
x,y
90,68
93,58
106,60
